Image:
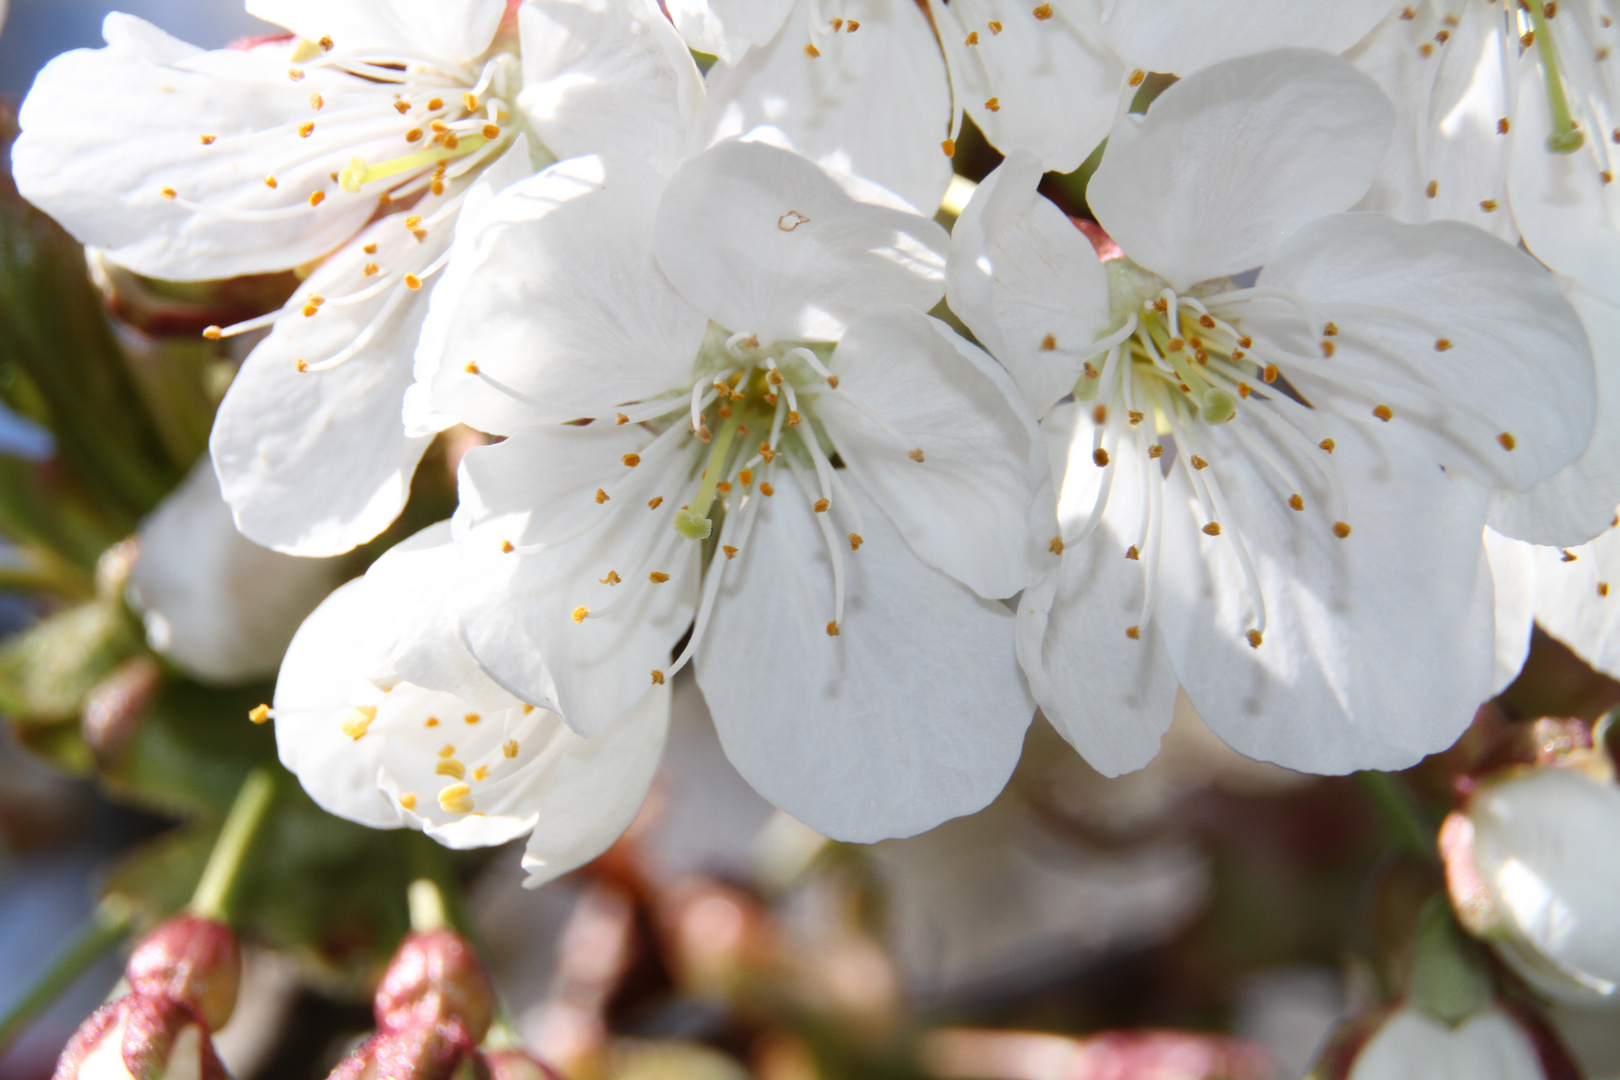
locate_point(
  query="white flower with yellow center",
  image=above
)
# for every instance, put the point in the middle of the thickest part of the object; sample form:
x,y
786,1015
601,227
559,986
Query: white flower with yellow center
x,y
1272,493
782,451
387,721
357,139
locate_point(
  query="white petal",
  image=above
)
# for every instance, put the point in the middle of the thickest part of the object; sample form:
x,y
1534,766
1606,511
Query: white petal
x,y
457,30
315,462
1569,216
536,491
102,170
560,307
1573,599
1441,322
593,792
1050,87
1229,161
609,77
872,102
1577,503
764,242
1448,158
1412,1045
727,28
219,606
1513,572
413,593
913,714
968,505
1544,843
317,691
1183,36
1377,648
1022,275
1110,695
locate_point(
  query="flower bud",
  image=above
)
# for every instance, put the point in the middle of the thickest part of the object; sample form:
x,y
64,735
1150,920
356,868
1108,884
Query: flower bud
x,y
141,1037
436,980
192,962
1532,867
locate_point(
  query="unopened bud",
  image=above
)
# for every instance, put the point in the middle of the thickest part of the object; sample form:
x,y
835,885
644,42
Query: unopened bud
x,y
113,711
141,1038
1409,1041
192,962
436,980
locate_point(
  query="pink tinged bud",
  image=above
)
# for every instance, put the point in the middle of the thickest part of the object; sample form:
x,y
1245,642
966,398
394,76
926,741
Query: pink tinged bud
x,y
139,1037
436,981
192,962
415,1053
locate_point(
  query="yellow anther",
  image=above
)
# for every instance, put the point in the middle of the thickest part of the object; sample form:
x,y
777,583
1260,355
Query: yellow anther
x,y
1384,413
949,146
766,489
168,193
657,577
994,104
995,27
471,367
1442,344
731,552
371,270
306,129
1503,125
492,132
1156,450
654,502
855,541
431,722
259,714
657,677
1133,632
612,578
301,364
1295,502
1488,205
620,419
413,135
356,723
821,506
1199,463
325,43
1270,373
509,748
213,333
1433,189
316,198
456,799
270,182
580,613
915,454
832,628
1341,530
1507,440
1056,546
408,800
208,140
972,39
1327,348
412,282
1327,444
450,767
1133,553
1043,12
811,51
1137,77
1099,457
448,750
481,773
1568,556
1212,529
745,477
1603,588
1255,638
602,496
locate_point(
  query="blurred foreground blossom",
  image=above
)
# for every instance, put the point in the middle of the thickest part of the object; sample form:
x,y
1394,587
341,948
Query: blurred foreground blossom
x,y
1257,482
219,606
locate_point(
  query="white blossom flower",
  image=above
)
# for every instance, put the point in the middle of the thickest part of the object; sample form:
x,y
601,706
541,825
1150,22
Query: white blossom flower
x,y
1051,78
362,134
1274,493
1411,1044
858,85
213,602
749,339
1533,868
387,721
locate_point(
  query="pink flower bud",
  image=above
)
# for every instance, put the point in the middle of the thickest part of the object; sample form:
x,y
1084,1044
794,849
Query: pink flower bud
x,y
436,981
192,962
141,1037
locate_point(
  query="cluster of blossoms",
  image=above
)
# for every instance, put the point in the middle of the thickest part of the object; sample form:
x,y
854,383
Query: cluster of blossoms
x,y
1279,424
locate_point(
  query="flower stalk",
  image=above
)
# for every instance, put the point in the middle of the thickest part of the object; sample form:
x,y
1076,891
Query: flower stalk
x,y
212,898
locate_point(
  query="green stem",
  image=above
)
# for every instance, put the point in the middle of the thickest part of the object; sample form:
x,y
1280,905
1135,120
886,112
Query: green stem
x,y
106,928
235,837
1410,828
1565,138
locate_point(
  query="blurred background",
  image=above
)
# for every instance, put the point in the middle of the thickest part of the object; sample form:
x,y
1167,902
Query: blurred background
x,y
1208,917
